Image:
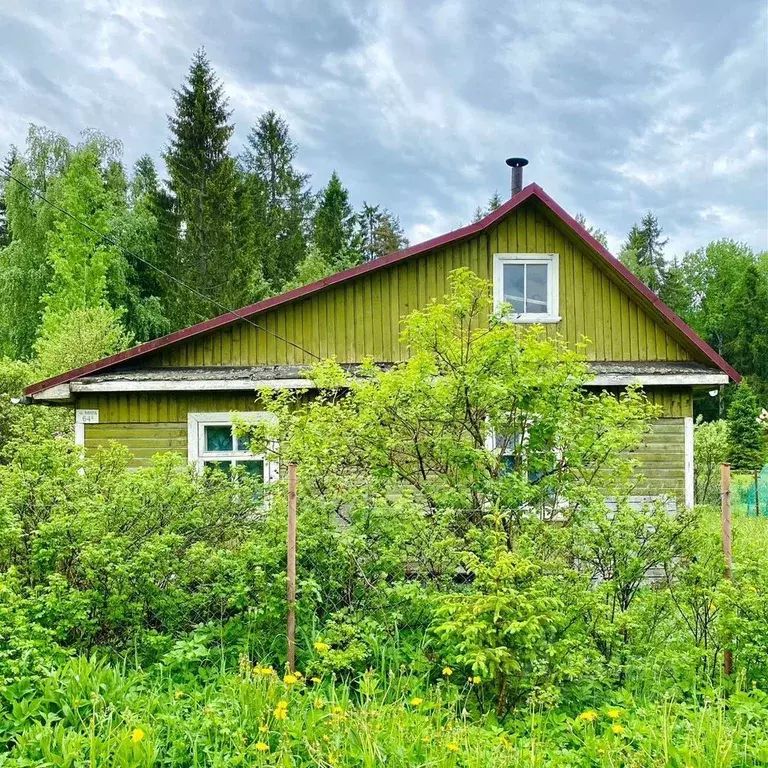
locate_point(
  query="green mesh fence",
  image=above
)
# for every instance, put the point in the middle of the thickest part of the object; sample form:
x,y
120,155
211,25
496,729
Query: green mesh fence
x,y
752,492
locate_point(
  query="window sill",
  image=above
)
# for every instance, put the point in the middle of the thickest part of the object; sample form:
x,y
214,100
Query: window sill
x,y
530,319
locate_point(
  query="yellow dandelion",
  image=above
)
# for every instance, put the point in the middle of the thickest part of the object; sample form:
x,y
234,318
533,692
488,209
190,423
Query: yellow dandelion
x,y
262,747
452,746
416,701
265,671
264,728
137,735
447,671
617,729
477,679
281,710
337,710
588,717
178,694
298,674
290,679
321,647
316,680
614,714
318,703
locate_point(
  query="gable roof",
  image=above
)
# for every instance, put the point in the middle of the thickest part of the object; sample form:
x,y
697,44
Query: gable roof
x,y
531,191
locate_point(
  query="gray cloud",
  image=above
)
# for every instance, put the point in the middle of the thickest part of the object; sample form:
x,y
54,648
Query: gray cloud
x,y
659,105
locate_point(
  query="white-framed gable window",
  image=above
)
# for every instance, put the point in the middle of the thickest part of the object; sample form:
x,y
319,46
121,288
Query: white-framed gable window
x,y
529,283
212,444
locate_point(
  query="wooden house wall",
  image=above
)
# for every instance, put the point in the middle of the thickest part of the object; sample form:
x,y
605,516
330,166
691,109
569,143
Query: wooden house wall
x,y
147,423
361,317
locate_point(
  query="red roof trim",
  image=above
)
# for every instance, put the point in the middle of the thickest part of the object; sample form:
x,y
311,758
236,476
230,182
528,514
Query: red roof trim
x,y
639,286
532,190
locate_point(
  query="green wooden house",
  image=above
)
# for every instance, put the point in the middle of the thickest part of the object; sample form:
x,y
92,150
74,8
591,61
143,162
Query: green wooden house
x,y
177,393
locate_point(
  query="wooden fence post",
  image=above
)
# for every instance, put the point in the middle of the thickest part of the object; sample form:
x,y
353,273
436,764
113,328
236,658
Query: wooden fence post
x,y
725,507
291,567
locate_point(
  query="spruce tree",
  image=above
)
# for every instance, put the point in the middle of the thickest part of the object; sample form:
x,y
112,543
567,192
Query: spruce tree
x,y
278,199
746,433
389,234
133,284
675,291
650,256
598,234
380,232
203,181
643,252
494,202
333,230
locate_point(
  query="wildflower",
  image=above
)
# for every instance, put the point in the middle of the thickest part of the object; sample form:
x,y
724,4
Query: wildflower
x,y
178,694
265,670
262,747
614,714
588,717
281,710
337,710
137,735
321,647
477,680
316,680
298,674
447,671
452,746
264,728
290,679
617,729
318,703
416,701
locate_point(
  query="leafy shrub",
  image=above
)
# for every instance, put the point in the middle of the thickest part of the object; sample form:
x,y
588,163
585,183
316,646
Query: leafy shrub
x,y
105,555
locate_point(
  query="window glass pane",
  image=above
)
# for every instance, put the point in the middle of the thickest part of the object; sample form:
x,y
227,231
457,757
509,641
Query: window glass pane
x,y
218,466
218,439
514,286
508,464
536,297
254,468
243,444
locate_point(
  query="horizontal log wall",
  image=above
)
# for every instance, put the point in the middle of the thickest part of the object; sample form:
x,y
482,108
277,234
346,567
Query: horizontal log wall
x,y
150,423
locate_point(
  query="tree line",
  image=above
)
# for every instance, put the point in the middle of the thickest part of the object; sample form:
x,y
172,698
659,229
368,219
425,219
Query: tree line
x,y
720,290
233,229
236,229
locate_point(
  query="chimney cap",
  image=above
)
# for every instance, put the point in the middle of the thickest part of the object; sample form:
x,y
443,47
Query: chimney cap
x,y
516,162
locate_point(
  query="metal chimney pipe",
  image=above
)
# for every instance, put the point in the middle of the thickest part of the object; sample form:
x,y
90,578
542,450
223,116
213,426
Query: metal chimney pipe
x,y
516,164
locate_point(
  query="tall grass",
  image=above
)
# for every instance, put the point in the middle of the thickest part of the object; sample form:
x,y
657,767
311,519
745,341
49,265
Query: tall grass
x,y
91,713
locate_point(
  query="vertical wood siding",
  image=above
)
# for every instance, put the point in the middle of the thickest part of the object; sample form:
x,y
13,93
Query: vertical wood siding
x,y
361,317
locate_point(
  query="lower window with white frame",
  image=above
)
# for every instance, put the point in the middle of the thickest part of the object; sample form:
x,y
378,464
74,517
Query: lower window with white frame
x,y
213,445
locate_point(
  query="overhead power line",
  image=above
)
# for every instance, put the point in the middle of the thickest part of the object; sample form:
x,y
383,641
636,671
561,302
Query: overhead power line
x,y
111,240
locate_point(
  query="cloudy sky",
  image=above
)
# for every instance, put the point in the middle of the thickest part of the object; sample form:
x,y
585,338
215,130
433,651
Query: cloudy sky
x,y
621,106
